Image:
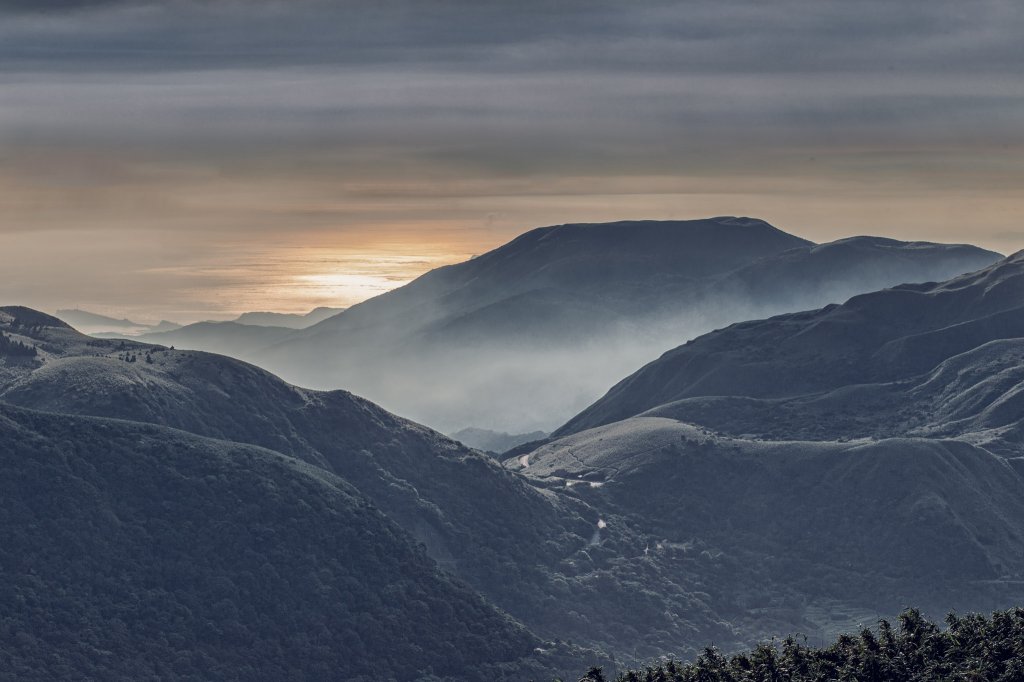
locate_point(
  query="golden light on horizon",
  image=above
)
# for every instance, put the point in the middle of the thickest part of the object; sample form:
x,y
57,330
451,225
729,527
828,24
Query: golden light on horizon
x,y
294,279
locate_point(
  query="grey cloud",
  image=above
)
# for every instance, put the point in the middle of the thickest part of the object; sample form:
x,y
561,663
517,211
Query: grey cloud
x,y
695,36
201,124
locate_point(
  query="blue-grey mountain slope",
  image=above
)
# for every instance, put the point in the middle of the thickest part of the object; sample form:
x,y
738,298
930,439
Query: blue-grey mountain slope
x,y
226,338
525,550
134,551
521,337
862,454
945,349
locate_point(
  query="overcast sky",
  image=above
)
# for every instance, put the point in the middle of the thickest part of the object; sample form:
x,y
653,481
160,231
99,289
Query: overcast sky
x,y
189,160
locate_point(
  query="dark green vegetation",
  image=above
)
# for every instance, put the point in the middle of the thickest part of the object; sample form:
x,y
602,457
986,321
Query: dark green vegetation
x,y
15,349
528,551
133,550
138,552
969,648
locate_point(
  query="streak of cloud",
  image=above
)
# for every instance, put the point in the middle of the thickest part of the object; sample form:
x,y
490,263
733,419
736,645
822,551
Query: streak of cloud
x,y
200,127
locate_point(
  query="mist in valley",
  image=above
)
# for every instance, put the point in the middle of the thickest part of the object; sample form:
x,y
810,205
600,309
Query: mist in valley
x,y
457,350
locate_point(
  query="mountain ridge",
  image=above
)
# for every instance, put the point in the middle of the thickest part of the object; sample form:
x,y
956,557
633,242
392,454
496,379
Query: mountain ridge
x,y
559,313
888,335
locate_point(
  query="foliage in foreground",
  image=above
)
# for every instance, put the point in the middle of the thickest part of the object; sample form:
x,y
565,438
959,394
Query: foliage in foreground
x,y
973,647
9,346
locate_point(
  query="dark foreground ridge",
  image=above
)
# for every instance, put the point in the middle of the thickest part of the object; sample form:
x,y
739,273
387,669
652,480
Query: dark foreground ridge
x,y
973,647
134,551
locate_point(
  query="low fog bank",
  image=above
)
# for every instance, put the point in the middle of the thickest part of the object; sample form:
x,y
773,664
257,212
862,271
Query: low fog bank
x,y
522,338
534,382
495,442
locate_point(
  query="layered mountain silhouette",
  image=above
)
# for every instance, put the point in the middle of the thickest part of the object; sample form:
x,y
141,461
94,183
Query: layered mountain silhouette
x,y
520,338
228,338
494,442
208,335
807,472
288,320
240,338
93,323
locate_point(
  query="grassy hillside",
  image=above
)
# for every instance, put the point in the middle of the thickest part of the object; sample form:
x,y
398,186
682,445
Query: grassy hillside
x,y
526,550
138,552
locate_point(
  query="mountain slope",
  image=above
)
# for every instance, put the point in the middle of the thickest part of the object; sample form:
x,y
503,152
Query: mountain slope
x,y
133,551
527,550
920,510
894,335
521,337
861,456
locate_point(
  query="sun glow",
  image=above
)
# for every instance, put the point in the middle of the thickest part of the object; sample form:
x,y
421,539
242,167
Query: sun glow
x,y
286,278
344,286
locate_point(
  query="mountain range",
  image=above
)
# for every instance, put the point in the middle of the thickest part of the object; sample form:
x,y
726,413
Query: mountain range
x,y
520,338
199,333
864,452
180,514
94,323
288,320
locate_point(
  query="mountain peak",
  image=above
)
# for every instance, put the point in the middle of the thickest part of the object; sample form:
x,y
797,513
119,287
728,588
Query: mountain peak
x,y
629,250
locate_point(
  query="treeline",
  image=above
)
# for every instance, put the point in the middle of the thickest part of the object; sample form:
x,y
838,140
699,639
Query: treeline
x,y
9,346
972,647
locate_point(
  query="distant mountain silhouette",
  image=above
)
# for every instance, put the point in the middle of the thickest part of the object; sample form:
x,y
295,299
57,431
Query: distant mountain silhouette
x,y
93,323
228,338
519,338
241,338
212,336
493,441
85,318
289,320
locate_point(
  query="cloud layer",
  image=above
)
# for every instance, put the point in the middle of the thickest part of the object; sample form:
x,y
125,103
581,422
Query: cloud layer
x,y
167,134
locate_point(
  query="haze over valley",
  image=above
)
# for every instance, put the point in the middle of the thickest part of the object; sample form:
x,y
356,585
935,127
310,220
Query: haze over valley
x,y
520,338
